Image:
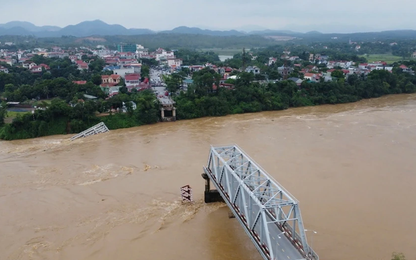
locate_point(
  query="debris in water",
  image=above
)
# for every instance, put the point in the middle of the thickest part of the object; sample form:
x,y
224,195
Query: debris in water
x,y
147,167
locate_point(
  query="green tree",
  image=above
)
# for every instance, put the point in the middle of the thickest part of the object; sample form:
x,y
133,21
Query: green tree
x,y
337,74
398,256
3,113
145,71
173,82
96,79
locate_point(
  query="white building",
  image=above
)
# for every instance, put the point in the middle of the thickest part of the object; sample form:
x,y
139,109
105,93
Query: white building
x,y
173,62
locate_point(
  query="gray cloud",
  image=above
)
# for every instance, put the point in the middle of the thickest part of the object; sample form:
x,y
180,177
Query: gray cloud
x,y
301,15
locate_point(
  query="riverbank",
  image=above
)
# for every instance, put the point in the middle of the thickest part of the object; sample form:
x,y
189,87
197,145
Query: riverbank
x,y
202,100
121,121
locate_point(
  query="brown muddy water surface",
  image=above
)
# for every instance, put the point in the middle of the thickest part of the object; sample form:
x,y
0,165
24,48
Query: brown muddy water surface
x,y
116,195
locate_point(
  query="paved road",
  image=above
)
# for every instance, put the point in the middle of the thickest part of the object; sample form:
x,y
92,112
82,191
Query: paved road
x,y
285,249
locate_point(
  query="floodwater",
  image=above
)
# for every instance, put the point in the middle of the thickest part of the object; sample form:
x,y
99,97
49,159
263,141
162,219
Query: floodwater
x,y
225,57
116,195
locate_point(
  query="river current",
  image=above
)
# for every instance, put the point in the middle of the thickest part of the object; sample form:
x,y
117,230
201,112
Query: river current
x,y
116,195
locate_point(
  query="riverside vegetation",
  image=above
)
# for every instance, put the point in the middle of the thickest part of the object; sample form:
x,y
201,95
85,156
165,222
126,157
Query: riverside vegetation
x,y
67,112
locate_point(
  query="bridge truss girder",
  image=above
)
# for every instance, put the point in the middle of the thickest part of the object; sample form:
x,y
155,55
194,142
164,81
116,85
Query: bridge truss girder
x,y
262,206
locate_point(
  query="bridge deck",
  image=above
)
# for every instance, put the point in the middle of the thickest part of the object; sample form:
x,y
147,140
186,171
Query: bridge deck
x,y
98,128
269,214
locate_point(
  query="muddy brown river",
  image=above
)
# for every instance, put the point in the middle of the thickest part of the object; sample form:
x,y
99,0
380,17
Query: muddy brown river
x,y
116,195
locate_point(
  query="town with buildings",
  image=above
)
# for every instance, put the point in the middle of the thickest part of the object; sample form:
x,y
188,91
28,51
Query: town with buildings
x,y
125,64
102,74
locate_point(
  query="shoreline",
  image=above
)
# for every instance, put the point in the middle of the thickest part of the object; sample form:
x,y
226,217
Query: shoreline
x,y
390,98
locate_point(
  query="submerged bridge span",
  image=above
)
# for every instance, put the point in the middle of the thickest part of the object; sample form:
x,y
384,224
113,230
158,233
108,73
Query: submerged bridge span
x,y
268,213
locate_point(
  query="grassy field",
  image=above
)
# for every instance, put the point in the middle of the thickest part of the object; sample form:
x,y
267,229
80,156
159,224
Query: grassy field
x,y
389,58
12,115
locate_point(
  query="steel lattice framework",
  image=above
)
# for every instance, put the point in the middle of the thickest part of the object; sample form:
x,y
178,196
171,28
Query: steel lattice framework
x,y
262,206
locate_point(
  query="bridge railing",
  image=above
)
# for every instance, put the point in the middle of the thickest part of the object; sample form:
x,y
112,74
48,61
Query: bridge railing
x,y
98,128
264,208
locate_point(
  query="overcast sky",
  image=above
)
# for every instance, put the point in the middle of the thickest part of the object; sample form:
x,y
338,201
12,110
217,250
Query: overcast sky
x,y
298,15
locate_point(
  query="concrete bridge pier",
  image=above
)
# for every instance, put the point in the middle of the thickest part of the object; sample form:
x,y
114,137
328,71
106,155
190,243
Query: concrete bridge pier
x,y
210,195
171,113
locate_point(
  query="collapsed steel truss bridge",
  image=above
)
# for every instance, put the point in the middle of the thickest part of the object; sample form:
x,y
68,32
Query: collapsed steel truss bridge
x,y
269,214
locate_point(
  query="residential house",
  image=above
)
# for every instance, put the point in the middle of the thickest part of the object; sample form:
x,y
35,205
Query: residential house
x,y
113,90
112,60
253,69
342,64
127,61
132,79
80,82
40,68
110,79
29,64
139,87
314,77
162,54
194,68
225,72
388,68
111,68
102,53
142,52
73,58
127,69
403,67
311,68
284,70
82,65
226,85
344,71
362,65
4,69
36,69
127,55
272,61
7,61
293,58
173,62
23,59
298,81
284,57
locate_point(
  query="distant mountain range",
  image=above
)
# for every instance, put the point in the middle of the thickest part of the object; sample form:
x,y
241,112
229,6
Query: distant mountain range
x,y
100,28
87,28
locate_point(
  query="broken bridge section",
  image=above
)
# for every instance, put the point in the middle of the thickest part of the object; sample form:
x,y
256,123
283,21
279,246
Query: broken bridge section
x,y
98,128
269,214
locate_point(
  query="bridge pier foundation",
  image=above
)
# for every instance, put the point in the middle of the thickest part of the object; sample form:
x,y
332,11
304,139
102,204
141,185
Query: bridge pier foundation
x,y
210,195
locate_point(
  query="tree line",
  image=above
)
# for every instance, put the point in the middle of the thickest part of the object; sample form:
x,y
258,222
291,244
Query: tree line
x,y
201,100
59,117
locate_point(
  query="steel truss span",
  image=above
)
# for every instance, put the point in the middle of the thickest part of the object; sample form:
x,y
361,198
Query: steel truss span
x,y
269,214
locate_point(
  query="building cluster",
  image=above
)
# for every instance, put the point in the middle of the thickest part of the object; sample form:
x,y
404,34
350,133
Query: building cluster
x,y
123,65
128,54
317,73
23,58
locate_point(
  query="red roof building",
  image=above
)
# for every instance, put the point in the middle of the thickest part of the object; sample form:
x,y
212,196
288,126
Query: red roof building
x,y
132,79
110,79
80,82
